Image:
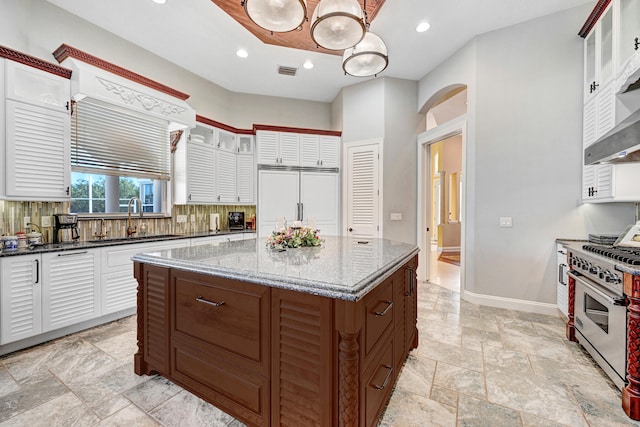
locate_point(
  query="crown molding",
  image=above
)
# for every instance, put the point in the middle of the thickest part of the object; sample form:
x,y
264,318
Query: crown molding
x,y
34,62
297,130
65,51
591,21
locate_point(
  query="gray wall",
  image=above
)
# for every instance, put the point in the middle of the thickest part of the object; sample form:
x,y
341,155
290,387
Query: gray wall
x,y
37,27
523,154
385,108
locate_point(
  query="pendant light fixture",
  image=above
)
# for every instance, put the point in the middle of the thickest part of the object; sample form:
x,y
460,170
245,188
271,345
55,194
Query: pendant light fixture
x,y
337,24
367,58
277,16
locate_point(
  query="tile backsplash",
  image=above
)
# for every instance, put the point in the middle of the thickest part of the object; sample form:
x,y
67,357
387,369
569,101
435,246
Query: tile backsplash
x,y
12,214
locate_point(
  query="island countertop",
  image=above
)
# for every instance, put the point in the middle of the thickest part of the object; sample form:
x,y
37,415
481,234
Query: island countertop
x,y
342,268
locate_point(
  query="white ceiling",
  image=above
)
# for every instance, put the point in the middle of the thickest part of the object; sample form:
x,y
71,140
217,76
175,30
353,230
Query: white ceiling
x,y
200,37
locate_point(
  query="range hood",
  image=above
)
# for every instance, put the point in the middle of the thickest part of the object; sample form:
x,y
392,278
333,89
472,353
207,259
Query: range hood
x,y
621,146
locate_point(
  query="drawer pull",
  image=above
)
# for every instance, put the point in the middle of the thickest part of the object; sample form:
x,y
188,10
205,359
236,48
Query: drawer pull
x,y
213,303
386,379
383,312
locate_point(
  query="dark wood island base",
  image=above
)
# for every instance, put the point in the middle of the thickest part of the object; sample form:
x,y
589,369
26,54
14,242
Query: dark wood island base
x,y
274,356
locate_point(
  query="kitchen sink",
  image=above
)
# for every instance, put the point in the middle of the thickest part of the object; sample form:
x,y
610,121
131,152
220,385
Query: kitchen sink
x,y
135,238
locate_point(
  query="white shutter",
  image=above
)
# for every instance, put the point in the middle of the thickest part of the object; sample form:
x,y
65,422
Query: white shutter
x,y
329,148
309,150
37,151
604,182
201,177
245,180
588,181
589,123
267,146
107,140
226,176
71,293
20,314
363,191
289,149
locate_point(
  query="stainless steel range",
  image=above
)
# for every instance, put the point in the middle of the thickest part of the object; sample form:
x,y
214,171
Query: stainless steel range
x,y
600,313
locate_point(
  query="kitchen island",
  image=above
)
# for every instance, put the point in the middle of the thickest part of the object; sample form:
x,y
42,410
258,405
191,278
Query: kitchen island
x,y
306,336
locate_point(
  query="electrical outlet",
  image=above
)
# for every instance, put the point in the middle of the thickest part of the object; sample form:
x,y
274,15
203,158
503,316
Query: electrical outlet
x,y
27,220
506,221
396,217
193,217
180,219
46,221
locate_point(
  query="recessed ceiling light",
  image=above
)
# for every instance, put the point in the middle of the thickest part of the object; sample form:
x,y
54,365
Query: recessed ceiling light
x,y
160,1
422,27
308,64
242,53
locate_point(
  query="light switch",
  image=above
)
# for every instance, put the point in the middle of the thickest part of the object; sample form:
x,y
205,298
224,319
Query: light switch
x,y
46,221
396,217
27,220
506,221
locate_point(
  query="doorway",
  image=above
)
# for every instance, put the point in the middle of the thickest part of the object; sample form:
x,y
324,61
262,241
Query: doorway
x,y
441,190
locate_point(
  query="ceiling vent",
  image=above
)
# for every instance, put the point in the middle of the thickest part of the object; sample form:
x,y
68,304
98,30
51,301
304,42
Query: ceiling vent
x,y
287,71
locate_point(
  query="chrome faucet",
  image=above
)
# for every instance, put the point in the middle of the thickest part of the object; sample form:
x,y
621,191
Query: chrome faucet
x,y
132,231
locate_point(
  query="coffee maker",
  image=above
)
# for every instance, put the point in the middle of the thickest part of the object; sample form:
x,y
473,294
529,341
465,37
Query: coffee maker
x,y
65,228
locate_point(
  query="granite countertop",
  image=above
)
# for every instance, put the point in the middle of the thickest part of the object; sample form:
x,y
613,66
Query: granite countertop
x,y
342,268
89,244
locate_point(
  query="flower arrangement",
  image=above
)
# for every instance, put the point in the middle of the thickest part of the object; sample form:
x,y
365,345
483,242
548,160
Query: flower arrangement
x,y
294,237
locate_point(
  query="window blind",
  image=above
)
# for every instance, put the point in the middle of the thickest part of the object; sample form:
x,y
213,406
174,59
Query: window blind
x,y
106,140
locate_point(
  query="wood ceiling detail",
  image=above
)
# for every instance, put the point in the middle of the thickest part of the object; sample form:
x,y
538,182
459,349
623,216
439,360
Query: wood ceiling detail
x,y
293,39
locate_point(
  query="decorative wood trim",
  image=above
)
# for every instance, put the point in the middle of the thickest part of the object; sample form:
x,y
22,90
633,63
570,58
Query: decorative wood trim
x,y
140,367
631,393
296,130
210,122
65,51
596,13
34,62
571,328
348,372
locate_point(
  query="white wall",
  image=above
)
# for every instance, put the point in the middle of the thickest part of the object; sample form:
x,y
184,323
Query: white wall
x,y
37,27
523,154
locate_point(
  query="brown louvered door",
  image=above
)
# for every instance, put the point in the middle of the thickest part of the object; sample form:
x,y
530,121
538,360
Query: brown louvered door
x,y
302,348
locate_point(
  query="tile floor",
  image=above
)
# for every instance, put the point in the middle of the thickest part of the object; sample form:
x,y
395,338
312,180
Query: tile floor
x,y
475,366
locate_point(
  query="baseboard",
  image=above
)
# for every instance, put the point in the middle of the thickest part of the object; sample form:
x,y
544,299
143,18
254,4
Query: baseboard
x,y
450,249
511,303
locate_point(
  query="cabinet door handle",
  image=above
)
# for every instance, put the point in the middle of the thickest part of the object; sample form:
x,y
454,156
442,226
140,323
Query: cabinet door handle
x,y
67,190
387,308
213,303
636,44
386,379
37,271
593,87
72,253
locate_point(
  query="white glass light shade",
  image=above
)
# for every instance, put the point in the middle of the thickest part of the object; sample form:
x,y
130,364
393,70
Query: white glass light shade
x,y
367,58
337,24
278,16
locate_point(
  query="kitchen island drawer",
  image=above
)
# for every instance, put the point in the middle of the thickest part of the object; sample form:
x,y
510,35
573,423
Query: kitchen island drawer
x,y
229,388
376,384
379,312
228,317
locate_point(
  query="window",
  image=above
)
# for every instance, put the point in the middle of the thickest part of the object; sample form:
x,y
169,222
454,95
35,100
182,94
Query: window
x,y
94,193
116,155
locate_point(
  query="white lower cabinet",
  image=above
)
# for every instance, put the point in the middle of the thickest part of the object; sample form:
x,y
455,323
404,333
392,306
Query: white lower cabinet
x,y
216,240
44,292
119,287
610,183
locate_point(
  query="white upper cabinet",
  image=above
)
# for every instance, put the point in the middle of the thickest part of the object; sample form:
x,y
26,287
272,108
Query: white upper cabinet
x,y
319,150
36,143
36,87
628,63
293,149
599,95
278,148
214,166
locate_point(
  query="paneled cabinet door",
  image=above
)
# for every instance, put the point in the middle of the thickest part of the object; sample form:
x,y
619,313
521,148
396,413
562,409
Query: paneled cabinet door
x,y
37,152
267,147
201,179
20,297
71,292
329,151
226,176
289,149
628,38
309,150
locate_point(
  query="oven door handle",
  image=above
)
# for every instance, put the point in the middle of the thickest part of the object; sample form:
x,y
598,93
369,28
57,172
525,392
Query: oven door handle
x,y
610,297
